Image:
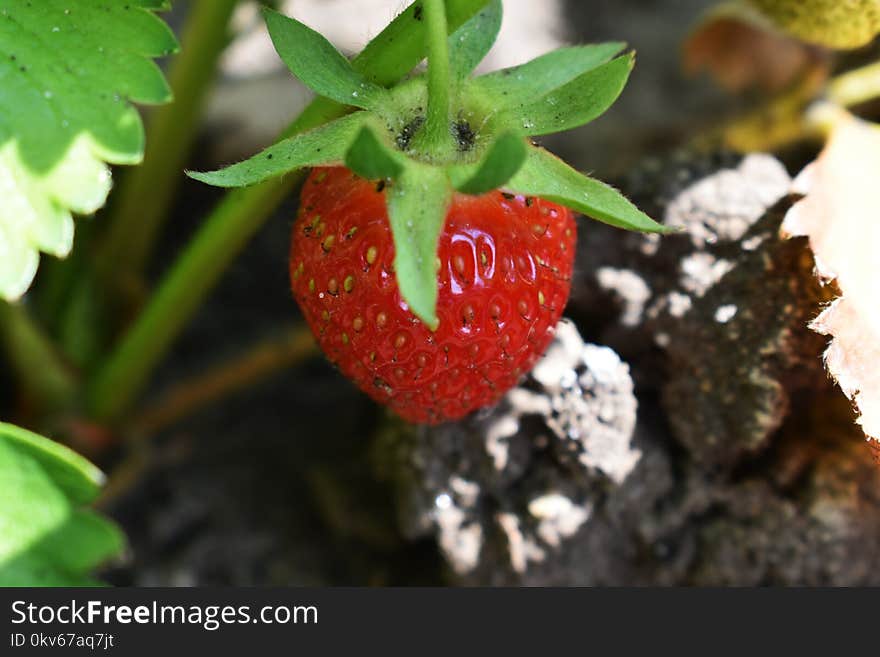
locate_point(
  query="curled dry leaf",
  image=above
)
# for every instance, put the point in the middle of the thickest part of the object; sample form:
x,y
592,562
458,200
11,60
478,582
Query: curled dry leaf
x,y
840,214
741,49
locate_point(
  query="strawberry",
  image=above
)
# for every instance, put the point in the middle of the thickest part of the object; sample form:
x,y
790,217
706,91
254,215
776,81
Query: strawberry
x,y
434,265
505,266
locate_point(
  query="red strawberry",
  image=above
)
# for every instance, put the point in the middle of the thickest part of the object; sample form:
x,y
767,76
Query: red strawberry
x,y
504,261
442,140
505,265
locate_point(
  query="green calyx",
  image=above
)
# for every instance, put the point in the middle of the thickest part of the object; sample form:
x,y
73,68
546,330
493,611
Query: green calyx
x,y
445,131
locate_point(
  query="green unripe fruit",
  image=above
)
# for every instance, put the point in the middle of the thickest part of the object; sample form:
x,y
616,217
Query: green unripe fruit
x,y
833,23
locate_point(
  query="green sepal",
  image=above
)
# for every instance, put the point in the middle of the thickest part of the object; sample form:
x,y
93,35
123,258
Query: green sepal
x,y
500,163
369,158
574,104
319,65
326,145
546,176
417,205
535,79
380,61
470,43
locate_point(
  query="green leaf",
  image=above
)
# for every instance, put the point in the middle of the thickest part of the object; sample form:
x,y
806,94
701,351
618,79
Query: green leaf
x,y
472,41
369,158
47,537
510,86
65,555
319,65
322,146
500,163
574,104
417,205
546,176
76,478
68,72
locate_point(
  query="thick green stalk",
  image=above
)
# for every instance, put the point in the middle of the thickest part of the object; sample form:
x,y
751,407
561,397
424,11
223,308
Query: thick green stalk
x,y
437,135
140,207
225,232
195,273
46,380
83,294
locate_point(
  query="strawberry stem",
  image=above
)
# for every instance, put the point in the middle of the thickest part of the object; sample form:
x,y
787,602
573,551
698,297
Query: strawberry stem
x,y
46,380
437,138
148,190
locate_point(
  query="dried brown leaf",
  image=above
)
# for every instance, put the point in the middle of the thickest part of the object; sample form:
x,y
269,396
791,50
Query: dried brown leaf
x,y
840,214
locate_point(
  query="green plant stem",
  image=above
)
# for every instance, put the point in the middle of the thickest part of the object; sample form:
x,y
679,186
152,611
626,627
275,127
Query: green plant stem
x,y
45,378
140,207
83,297
437,135
225,232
